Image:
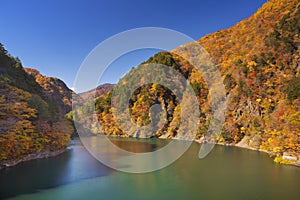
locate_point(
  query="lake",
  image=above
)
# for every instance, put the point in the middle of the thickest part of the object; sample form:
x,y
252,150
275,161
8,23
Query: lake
x,y
226,173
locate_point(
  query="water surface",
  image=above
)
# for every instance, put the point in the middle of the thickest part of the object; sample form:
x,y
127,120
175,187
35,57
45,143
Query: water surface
x,y
227,173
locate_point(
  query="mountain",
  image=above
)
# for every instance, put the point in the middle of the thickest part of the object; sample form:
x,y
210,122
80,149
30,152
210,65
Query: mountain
x,y
99,91
55,89
32,110
259,62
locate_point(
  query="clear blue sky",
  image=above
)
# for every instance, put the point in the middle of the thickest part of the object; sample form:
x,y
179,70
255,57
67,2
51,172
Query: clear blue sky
x,y
54,36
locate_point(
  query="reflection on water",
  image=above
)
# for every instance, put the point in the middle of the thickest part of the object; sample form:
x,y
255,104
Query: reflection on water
x,y
135,147
143,162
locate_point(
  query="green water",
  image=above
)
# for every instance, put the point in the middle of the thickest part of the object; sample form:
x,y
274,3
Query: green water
x,y
227,173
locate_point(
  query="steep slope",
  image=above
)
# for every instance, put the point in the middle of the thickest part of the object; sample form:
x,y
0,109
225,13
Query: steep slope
x,y
55,89
30,121
259,62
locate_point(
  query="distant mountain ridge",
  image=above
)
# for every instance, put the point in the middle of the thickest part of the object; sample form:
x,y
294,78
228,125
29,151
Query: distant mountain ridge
x,y
97,92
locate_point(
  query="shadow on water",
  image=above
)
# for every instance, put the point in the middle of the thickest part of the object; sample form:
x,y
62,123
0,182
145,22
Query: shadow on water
x,y
139,145
30,177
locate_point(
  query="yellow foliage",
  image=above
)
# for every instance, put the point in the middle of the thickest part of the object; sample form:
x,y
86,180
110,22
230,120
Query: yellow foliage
x,y
243,129
268,83
276,149
252,63
270,140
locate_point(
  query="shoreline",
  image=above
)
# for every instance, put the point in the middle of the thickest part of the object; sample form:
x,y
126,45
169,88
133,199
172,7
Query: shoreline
x,y
48,154
246,146
33,156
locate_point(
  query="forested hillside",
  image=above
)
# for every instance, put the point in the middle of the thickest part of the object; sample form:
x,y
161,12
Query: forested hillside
x,y
56,90
31,119
260,65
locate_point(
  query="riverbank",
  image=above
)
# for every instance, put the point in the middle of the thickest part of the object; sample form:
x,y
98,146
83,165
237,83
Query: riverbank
x,y
243,144
47,154
34,156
